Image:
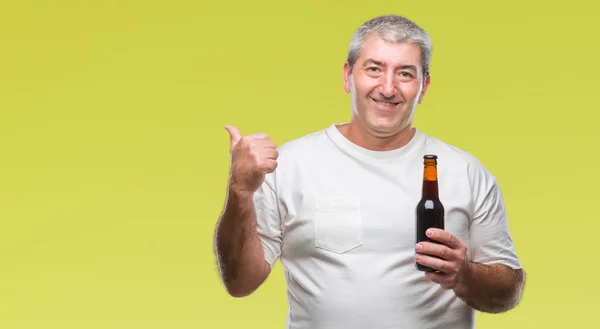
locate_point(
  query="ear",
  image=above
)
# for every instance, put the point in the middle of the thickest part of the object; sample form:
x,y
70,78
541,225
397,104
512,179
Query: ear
x,y
346,77
425,86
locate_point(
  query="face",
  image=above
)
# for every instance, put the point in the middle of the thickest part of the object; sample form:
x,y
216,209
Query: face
x,y
385,86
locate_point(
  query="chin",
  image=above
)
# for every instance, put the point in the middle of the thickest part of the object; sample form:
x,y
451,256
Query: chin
x,y
386,128
383,129
386,124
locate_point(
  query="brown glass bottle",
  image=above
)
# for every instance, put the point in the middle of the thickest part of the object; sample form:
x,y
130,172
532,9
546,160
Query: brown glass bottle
x,y
430,211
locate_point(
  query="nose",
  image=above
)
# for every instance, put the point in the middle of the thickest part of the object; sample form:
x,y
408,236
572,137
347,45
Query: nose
x,y
387,87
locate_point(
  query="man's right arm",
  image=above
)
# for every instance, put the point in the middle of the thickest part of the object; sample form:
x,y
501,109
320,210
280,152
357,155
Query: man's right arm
x,y
239,253
238,249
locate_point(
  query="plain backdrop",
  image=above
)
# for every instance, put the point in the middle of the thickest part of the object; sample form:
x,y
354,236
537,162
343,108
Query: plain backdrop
x,y
114,159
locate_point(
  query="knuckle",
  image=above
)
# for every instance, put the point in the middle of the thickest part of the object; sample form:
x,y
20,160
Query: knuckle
x,y
456,269
262,135
442,265
443,252
452,239
255,156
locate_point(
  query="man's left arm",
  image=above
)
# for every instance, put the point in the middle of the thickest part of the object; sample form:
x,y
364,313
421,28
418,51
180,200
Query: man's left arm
x,y
492,288
488,276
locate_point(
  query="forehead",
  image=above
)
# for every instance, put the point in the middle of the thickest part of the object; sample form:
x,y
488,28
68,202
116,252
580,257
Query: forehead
x,y
390,53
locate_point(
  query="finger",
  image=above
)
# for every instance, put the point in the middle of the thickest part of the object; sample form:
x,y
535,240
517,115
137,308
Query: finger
x,y
258,136
433,262
266,143
436,249
270,153
269,165
440,278
444,237
234,135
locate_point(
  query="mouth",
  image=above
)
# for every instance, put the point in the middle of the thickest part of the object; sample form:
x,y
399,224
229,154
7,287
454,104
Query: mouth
x,y
385,105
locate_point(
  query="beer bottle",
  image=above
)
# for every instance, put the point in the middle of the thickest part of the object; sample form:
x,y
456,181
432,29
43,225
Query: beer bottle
x,y
430,211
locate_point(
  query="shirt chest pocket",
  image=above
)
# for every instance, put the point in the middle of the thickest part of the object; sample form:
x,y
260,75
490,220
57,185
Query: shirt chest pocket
x,y
338,224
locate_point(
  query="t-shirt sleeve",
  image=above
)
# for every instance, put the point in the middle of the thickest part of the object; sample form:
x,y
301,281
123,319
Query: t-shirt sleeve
x,y
268,220
491,240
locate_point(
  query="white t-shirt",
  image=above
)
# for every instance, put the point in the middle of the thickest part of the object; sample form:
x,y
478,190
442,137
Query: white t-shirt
x,y
341,219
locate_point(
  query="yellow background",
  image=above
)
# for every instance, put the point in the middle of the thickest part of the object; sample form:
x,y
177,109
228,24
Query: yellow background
x,y
114,160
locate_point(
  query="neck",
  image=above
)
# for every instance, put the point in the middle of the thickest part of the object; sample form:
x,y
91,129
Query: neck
x,y
375,141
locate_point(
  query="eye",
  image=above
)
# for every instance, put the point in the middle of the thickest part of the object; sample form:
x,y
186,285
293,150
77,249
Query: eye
x,y
406,76
372,69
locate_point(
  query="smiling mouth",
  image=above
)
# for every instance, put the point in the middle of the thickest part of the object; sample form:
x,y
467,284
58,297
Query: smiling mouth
x,y
385,104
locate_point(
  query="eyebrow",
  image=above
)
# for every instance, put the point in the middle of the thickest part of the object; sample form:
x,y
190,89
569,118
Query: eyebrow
x,y
376,62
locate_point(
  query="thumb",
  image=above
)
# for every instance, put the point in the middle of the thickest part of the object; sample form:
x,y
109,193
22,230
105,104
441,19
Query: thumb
x,y
234,134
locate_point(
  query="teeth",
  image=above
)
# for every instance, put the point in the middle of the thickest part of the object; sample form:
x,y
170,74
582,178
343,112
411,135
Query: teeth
x,y
385,103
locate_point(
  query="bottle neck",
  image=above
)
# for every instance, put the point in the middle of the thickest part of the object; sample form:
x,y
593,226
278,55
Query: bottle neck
x,y
430,182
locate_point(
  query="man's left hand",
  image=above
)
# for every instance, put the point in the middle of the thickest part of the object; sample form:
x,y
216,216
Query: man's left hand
x,y
451,258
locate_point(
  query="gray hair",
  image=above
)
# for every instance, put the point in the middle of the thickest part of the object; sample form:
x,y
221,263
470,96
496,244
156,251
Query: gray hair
x,y
392,28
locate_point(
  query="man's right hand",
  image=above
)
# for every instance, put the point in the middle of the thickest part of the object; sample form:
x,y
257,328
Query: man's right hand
x,y
252,157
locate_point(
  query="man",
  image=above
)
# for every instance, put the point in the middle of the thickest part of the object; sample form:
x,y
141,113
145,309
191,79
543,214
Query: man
x,y
337,208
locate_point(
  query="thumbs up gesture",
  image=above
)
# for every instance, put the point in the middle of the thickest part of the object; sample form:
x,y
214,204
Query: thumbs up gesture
x,y
252,157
